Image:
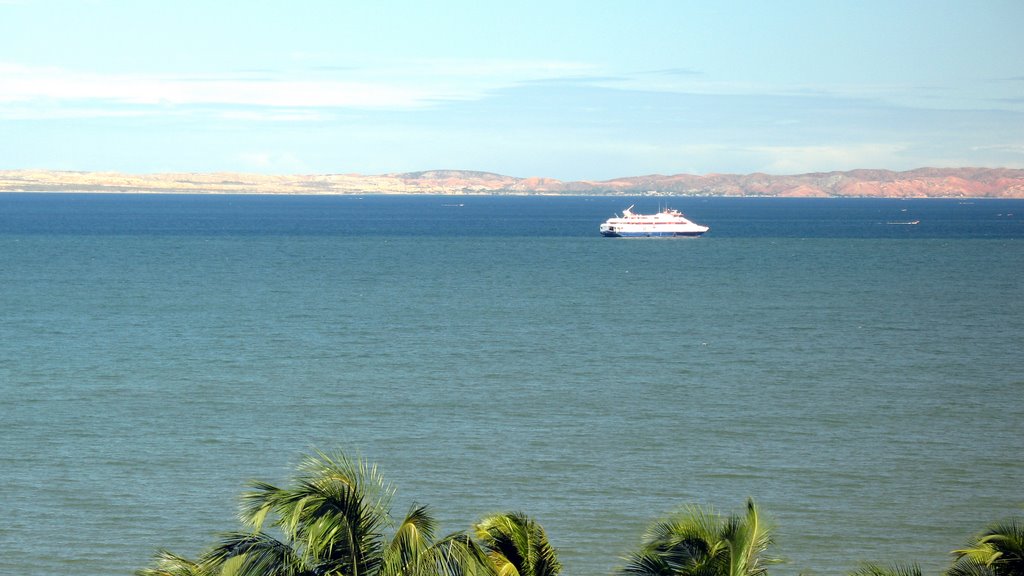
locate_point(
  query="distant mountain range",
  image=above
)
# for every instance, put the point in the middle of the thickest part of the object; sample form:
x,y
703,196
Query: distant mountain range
x,y
919,183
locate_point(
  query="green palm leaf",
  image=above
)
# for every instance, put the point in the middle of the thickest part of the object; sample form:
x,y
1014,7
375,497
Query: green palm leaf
x,y
747,541
168,564
458,555
333,513
517,545
970,567
891,570
409,551
998,550
254,554
695,541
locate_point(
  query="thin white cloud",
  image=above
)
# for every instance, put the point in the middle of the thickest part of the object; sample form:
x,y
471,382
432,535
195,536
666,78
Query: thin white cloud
x,y
36,112
275,115
1017,149
955,95
642,158
803,159
23,84
410,85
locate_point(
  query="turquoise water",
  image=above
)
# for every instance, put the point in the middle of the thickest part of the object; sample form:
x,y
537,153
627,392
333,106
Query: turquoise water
x,y
861,381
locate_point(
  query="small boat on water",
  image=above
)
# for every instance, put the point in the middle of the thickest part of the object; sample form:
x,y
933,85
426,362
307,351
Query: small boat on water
x,y
905,222
668,222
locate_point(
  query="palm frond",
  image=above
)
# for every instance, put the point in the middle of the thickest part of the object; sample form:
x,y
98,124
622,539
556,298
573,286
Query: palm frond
x,y
503,544
350,501
747,540
253,554
966,566
409,551
458,555
890,570
999,547
689,522
338,469
169,564
517,545
333,512
257,503
696,541
647,563
981,553
688,542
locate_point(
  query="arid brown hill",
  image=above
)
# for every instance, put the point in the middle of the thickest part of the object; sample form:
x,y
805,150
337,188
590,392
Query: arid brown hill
x,y
920,183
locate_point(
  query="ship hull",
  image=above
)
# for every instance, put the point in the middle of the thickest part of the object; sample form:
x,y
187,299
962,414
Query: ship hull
x,y
650,234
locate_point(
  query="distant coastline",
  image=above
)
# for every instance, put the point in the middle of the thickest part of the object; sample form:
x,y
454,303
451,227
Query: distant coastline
x,y
918,183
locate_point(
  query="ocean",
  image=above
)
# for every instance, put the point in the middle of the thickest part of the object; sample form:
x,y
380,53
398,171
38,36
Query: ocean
x,y
861,380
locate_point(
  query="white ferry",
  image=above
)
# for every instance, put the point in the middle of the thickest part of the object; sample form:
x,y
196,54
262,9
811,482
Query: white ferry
x,y
668,222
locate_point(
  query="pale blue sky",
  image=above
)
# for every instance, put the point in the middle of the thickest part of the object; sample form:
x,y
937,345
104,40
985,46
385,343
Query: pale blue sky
x,y
571,90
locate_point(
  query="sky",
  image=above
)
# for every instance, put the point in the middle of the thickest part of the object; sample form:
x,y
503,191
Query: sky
x,y
574,90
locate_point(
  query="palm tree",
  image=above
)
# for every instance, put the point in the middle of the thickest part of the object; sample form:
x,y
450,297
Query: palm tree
x,y
517,545
998,551
696,541
331,522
